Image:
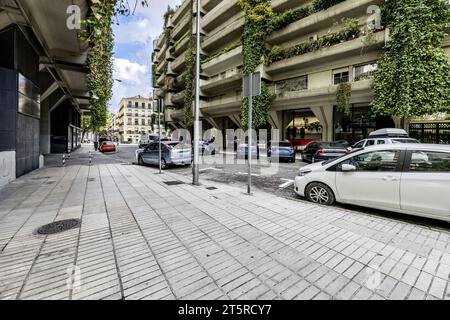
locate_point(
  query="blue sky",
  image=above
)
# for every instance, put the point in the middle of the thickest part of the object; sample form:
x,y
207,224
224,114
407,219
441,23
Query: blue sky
x,y
133,48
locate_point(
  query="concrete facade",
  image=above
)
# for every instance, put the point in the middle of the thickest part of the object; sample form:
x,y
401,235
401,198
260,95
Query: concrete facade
x,y
304,86
134,118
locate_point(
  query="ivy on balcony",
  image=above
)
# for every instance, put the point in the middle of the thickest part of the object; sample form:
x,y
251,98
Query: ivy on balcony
x,y
207,59
349,31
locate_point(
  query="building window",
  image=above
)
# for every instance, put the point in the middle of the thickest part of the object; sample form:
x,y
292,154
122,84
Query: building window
x,y
294,84
149,106
136,105
136,122
129,104
340,76
136,114
136,131
143,122
364,71
129,121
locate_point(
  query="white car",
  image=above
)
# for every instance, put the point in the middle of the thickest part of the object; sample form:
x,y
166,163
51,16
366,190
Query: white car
x,y
406,178
384,136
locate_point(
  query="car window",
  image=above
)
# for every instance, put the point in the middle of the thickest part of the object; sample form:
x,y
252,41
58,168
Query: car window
x,y
381,142
370,143
405,141
152,147
381,161
428,161
359,144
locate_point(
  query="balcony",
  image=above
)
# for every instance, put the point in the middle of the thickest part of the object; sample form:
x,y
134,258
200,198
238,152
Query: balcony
x,y
322,20
161,80
168,100
361,93
181,28
228,103
162,53
230,33
282,5
170,71
223,82
181,45
174,115
169,55
223,62
181,11
179,63
178,98
343,50
220,14
208,5
156,48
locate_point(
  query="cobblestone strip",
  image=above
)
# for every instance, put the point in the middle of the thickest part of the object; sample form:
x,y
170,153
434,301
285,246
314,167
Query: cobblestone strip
x,y
96,257
44,277
140,272
181,266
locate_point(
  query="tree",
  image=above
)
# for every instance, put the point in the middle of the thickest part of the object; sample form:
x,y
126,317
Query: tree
x,y
413,76
86,125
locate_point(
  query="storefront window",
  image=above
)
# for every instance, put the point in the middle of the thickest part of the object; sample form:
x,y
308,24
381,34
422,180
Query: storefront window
x,y
364,71
301,126
358,124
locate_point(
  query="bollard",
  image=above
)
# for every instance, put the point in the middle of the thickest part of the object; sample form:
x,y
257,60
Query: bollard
x,y
90,158
63,160
69,154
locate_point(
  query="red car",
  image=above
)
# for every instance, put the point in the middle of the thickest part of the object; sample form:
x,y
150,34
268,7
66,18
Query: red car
x,y
107,146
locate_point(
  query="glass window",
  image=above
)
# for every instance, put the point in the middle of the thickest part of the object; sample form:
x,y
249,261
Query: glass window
x,y
381,142
143,105
149,106
370,143
359,144
340,76
427,161
364,71
136,105
143,122
378,161
136,121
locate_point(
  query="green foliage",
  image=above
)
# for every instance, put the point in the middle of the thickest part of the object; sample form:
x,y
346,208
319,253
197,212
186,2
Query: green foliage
x,y
261,106
349,31
168,31
319,5
343,95
281,20
413,76
188,79
221,52
98,33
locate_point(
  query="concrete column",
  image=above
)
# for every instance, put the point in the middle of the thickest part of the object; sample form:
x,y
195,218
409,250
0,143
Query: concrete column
x,y
325,116
275,120
44,125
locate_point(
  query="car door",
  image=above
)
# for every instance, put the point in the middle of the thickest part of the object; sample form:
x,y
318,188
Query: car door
x,y
375,182
149,153
425,184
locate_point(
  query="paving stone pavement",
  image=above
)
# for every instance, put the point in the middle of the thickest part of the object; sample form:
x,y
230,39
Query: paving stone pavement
x,y
143,239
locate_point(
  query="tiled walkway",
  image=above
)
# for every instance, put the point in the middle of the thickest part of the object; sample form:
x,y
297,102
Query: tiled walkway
x,y
143,239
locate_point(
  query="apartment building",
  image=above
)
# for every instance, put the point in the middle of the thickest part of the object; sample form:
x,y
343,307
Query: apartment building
x,y
135,118
113,127
304,85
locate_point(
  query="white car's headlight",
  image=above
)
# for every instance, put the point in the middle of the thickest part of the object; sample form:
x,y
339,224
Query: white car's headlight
x,y
302,173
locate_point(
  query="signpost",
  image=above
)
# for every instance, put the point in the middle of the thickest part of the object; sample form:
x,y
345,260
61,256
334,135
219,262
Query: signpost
x,y
252,88
195,168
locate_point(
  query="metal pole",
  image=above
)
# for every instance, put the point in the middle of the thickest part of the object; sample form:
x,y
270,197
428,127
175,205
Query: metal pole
x,y
160,104
249,133
195,169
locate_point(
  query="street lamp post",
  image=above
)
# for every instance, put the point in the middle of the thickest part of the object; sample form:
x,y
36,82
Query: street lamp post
x,y
160,108
195,169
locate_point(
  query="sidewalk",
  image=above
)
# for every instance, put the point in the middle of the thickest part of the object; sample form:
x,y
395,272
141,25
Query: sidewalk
x,y
141,238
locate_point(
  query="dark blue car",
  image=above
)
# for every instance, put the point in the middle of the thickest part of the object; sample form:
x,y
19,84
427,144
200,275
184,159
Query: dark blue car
x,y
282,150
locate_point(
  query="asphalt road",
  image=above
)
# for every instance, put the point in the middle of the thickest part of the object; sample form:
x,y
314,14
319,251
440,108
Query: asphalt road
x,y
278,182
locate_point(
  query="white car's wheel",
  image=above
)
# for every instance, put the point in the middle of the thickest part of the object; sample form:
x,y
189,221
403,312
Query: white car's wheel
x,y
319,193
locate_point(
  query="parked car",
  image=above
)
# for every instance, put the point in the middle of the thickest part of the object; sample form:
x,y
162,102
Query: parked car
x,y
242,151
320,151
107,146
147,139
384,136
172,153
406,178
283,150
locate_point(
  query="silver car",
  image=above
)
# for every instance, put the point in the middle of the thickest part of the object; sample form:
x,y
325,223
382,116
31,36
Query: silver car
x,y
172,153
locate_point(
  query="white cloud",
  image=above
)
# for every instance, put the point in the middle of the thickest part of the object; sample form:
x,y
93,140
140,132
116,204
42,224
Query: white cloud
x,y
135,69
135,80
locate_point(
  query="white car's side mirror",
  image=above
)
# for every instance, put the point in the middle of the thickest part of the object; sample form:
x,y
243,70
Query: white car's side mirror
x,y
348,168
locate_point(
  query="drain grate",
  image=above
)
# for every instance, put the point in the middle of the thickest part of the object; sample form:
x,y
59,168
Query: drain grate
x,y
91,179
173,183
59,226
211,188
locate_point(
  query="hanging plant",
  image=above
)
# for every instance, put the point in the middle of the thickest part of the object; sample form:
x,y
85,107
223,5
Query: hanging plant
x,y
261,106
343,96
413,75
188,79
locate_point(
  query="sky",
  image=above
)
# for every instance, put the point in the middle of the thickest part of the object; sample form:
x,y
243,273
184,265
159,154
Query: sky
x,y
133,49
